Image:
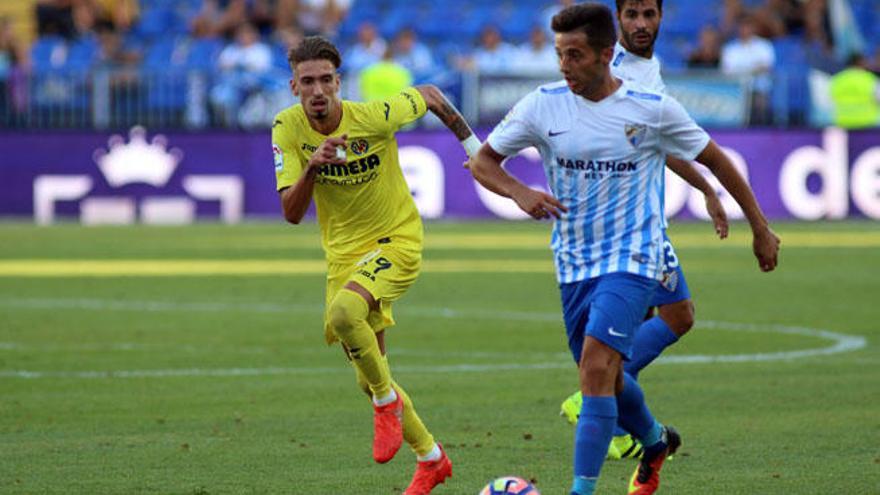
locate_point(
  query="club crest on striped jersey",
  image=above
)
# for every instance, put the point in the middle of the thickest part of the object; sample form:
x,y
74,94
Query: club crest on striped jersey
x,y
635,133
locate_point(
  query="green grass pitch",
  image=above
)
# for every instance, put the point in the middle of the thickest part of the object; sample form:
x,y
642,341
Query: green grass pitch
x,y
191,361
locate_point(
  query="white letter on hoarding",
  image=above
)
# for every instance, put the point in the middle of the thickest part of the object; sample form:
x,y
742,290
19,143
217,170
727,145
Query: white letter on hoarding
x,y
112,210
865,183
423,171
831,164
505,207
51,188
227,189
697,202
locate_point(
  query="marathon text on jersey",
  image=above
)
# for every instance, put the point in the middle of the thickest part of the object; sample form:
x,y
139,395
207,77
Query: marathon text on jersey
x,y
597,165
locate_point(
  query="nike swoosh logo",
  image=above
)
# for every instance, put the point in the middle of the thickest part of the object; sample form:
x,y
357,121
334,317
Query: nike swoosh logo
x,y
612,333
553,134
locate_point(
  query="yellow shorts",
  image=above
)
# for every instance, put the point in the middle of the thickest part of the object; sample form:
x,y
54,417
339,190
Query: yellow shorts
x,y
386,272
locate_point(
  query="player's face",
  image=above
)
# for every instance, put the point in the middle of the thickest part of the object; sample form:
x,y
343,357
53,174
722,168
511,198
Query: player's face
x,y
316,83
639,25
583,67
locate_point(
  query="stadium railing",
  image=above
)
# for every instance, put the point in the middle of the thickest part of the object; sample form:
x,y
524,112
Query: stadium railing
x,y
182,99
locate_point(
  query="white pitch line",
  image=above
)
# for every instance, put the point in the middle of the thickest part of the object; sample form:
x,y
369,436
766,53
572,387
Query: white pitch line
x,y
841,342
256,307
149,306
237,372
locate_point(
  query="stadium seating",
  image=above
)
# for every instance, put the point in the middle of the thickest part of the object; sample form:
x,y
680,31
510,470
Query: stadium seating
x,y
47,53
867,14
451,28
82,54
168,64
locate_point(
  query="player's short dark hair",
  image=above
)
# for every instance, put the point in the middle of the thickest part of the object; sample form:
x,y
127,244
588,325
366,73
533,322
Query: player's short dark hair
x,y
314,48
593,19
621,2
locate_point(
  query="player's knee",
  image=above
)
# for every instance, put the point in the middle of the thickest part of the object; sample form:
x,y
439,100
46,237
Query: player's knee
x,y
686,318
596,369
340,318
346,309
598,372
679,317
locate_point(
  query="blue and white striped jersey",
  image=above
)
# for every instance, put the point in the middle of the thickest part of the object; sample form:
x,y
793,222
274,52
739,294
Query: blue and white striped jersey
x,y
605,162
640,70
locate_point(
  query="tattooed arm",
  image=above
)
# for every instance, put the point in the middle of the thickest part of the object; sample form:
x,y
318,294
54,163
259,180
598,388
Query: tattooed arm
x,y
449,115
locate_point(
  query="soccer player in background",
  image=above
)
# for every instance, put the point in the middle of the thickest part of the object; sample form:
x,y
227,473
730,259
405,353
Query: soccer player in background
x,y
634,60
604,144
344,154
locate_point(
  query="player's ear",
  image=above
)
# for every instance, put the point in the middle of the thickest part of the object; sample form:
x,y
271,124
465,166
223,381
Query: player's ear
x,y
293,87
606,54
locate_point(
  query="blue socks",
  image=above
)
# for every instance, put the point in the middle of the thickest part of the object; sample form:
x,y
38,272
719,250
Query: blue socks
x,y
583,486
635,417
598,419
654,442
652,337
633,413
592,436
600,416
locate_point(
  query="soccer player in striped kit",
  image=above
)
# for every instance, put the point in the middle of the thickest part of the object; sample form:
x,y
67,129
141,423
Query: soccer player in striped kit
x,y
604,143
634,60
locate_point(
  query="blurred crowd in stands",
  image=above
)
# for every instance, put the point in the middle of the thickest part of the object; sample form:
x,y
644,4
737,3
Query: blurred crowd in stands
x,y
243,43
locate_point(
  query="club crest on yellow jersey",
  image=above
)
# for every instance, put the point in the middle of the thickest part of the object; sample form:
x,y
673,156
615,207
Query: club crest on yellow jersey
x,y
359,146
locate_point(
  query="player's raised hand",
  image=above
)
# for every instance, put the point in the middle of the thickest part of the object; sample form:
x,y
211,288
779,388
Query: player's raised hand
x,y
331,151
718,215
765,245
538,204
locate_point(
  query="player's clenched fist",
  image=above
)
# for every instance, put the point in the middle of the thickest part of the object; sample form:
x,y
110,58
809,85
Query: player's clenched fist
x,y
331,151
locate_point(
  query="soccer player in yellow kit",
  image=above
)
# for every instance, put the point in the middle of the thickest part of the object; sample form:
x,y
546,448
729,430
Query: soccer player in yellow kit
x,y
344,154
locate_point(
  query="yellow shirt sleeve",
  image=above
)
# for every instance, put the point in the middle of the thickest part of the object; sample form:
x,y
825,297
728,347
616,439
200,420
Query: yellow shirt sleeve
x,y
390,114
288,167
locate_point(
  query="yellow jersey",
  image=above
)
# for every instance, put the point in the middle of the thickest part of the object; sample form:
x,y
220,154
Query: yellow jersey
x,y
367,199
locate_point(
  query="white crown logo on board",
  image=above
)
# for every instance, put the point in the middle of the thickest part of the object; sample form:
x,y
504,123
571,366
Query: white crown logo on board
x,y
137,160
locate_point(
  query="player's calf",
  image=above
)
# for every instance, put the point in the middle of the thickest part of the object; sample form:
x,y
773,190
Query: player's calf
x,y
622,446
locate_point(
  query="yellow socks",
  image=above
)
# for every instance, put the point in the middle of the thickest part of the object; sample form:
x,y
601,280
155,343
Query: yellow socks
x,y
414,432
348,319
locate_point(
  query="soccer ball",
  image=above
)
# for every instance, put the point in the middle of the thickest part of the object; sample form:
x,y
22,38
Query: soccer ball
x,y
509,485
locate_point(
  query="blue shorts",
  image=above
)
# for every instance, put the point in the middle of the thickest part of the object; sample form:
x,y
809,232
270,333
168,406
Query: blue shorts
x,y
609,308
674,287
